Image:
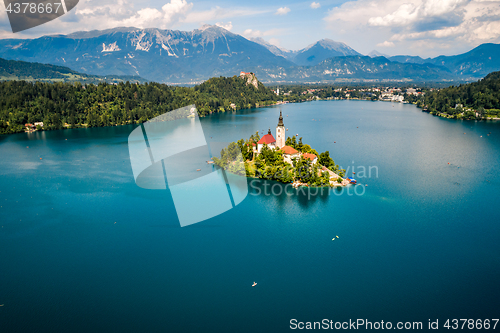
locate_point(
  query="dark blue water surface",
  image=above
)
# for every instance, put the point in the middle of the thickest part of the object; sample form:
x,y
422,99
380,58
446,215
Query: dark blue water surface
x,y
84,249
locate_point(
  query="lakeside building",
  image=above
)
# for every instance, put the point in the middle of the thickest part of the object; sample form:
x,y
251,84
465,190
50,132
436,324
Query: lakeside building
x,y
311,157
280,132
289,153
268,140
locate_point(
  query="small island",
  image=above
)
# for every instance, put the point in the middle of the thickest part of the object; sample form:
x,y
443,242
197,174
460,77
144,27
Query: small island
x,y
285,161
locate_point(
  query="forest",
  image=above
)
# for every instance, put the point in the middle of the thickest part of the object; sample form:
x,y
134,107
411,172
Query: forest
x,y
464,101
71,105
33,71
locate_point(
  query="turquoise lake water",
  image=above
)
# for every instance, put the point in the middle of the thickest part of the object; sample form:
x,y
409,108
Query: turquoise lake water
x,y
420,242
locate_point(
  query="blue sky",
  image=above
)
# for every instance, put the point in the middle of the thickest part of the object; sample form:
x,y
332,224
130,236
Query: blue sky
x,y
415,27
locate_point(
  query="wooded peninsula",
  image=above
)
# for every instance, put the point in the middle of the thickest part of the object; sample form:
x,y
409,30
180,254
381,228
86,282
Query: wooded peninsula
x,y
71,105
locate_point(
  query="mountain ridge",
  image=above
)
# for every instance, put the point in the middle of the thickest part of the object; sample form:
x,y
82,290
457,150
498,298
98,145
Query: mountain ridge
x,y
323,49
359,68
159,55
12,70
187,57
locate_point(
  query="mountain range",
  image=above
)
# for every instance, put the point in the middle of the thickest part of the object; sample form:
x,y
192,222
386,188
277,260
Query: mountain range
x,y
173,56
33,71
361,68
476,63
313,54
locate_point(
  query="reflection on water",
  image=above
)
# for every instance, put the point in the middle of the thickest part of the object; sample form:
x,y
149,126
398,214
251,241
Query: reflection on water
x,y
81,241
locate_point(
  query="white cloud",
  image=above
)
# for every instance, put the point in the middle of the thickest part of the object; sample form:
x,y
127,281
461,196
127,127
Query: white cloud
x,y
405,14
228,26
274,41
436,24
432,13
106,14
315,5
282,11
218,13
142,17
121,13
175,7
115,13
386,44
487,31
250,33
359,12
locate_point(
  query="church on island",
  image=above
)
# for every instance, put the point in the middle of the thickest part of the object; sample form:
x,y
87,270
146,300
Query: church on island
x,y
289,153
284,160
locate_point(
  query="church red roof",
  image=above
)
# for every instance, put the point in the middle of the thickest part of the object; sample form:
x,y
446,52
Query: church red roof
x,y
309,156
267,139
289,150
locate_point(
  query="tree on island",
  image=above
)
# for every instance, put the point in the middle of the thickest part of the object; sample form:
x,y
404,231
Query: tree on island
x,y
270,164
326,160
300,145
293,142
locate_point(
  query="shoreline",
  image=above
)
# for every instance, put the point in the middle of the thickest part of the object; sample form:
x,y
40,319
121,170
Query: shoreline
x,y
302,186
79,126
85,126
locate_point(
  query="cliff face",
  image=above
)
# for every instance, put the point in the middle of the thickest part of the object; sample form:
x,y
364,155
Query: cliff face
x,y
251,79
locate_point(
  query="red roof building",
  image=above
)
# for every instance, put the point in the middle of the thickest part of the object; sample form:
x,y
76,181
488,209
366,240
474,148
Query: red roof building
x,y
267,139
289,150
310,157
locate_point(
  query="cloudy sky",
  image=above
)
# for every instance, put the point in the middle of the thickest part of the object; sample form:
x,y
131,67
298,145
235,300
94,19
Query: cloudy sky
x,y
427,28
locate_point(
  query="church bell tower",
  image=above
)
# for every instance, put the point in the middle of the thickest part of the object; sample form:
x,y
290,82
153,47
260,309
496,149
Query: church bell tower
x,y
280,133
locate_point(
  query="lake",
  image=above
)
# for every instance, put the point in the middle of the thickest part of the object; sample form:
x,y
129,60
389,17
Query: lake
x,y
83,248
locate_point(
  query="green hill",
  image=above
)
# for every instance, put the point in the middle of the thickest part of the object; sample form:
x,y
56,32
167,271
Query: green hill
x,y
63,104
465,100
33,71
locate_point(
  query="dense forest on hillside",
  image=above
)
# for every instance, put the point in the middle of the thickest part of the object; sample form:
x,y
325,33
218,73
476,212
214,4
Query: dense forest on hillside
x,y
28,69
464,101
60,105
33,71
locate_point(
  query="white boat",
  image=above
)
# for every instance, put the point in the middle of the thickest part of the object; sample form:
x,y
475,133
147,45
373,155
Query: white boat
x,y
254,284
